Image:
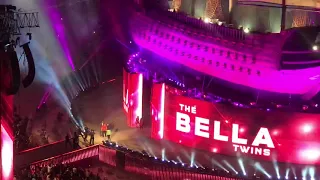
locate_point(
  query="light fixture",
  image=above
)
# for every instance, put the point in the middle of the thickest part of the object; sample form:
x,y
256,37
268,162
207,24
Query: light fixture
x,y
206,20
315,47
246,30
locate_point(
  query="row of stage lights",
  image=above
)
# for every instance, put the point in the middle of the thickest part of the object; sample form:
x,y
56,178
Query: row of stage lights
x,y
192,167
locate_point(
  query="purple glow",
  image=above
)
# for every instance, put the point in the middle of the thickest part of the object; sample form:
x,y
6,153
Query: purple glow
x,y
269,78
58,27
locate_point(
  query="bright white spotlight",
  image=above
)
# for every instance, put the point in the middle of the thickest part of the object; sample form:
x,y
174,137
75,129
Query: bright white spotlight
x,y
192,158
315,47
312,173
163,153
258,167
246,30
276,167
304,173
311,154
240,161
230,166
287,173
206,20
307,128
216,163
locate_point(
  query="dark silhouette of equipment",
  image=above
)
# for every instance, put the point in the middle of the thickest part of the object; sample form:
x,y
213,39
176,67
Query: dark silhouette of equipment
x,y
15,71
27,81
11,21
30,36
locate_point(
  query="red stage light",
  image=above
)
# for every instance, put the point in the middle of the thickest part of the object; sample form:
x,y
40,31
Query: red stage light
x,y
214,150
275,132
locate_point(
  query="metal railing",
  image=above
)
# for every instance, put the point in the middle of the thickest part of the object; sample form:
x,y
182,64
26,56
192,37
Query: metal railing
x,y
138,164
70,157
212,29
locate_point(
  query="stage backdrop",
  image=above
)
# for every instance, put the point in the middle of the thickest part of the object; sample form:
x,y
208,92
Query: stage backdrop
x,y
219,128
132,96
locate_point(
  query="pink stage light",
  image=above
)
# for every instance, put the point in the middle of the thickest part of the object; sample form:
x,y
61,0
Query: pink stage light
x,y
275,132
140,93
311,154
6,155
307,128
214,150
163,94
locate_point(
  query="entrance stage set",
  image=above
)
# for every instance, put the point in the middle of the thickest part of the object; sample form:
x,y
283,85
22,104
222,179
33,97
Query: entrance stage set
x,y
250,135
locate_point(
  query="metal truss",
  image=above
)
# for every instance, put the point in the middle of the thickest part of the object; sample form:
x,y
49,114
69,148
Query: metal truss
x,y
12,22
8,23
29,20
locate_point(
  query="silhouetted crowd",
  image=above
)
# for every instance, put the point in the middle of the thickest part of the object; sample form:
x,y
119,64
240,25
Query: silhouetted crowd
x,y
57,172
22,140
74,140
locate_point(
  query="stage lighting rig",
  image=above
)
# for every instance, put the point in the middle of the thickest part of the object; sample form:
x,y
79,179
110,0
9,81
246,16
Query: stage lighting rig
x,y
12,21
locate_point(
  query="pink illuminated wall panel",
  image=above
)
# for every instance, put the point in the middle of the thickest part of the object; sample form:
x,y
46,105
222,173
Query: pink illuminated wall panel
x,y
156,108
6,155
282,136
132,96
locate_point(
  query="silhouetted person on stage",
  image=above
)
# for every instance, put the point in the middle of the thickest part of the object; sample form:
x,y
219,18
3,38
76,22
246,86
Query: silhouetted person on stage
x,y
67,141
86,132
101,131
80,132
140,123
75,140
91,137
104,129
108,133
137,121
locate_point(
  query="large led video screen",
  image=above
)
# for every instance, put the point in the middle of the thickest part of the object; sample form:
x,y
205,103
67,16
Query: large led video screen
x,y
132,96
229,130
